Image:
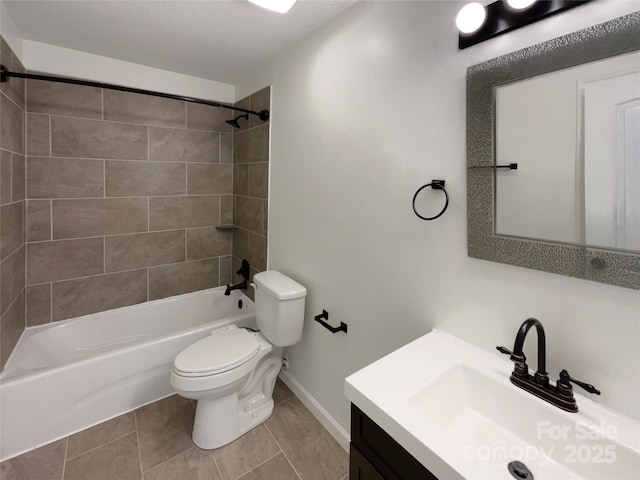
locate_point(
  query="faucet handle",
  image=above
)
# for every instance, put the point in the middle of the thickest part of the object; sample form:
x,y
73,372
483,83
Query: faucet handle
x,y
504,350
565,378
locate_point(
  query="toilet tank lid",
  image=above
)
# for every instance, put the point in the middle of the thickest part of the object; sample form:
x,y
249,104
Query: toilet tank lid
x,y
278,285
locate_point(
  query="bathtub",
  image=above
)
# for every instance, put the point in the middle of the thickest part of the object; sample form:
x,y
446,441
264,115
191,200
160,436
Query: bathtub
x,y
67,376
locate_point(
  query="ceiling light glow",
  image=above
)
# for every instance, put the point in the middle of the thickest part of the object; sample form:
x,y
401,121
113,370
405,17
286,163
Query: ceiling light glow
x,y
280,6
471,17
520,4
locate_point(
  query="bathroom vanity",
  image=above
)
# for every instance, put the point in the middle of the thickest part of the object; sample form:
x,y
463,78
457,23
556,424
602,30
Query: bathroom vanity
x,y
375,455
442,408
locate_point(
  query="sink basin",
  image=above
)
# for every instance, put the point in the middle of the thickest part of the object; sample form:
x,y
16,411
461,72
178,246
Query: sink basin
x,y
456,411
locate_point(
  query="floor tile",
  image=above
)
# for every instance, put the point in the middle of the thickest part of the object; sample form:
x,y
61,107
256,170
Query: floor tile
x,y
118,459
309,447
276,468
100,434
194,464
281,392
164,430
44,463
245,453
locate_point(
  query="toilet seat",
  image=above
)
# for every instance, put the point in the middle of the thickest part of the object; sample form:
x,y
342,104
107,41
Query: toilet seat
x,y
223,350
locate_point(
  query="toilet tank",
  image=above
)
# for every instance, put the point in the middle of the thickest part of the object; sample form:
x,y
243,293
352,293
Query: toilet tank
x,y
279,307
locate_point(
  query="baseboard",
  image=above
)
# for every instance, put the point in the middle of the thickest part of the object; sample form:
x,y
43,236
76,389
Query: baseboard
x,y
328,422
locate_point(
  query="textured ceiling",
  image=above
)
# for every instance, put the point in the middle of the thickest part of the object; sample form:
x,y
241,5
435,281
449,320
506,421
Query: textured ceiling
x,y
220,40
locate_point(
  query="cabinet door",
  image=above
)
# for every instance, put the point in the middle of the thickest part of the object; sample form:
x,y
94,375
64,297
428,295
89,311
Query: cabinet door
x,y
360,468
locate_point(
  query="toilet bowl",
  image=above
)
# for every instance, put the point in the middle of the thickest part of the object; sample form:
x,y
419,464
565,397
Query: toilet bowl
x,y
232,372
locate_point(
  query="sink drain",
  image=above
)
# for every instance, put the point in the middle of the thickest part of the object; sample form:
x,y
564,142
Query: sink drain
x,y
520,471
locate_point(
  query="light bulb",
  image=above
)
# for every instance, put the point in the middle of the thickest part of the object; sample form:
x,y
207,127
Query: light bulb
x,y
520,4
280,6
470,17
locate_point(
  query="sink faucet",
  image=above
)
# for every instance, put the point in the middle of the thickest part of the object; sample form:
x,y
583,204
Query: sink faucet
x,y
561,394
245,271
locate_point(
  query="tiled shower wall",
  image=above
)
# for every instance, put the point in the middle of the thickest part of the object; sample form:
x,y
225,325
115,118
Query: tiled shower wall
x,y
124,195
251,185
12,206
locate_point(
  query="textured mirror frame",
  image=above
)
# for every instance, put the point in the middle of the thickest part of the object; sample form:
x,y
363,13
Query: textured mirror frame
x,y
605,40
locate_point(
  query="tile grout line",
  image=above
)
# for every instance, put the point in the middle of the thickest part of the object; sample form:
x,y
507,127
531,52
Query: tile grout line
x,y
127,271
50,137
282,450
64,464
50,302
168,459
215,462
135,422
239,477
102,444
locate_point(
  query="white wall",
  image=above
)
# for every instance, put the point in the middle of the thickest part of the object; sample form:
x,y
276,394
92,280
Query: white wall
x,y
54,60
10,32
41,57
364,112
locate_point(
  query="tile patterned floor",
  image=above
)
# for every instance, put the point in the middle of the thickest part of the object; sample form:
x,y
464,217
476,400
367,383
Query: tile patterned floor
x,y
154,443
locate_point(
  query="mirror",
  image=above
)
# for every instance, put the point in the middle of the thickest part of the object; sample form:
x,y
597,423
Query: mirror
x,y
567,111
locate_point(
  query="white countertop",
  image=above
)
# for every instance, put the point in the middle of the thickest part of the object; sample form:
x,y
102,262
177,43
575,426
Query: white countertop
x,y
471,434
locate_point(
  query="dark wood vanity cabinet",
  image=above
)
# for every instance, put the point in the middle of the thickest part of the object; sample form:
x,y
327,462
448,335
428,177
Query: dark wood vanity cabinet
x,y
374,455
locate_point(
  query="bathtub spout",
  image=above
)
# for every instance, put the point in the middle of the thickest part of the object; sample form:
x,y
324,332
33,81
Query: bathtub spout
x,y
244,285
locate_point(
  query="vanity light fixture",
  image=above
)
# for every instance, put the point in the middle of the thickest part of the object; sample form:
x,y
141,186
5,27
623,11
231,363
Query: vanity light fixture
x,y
280,6
471,17
506,15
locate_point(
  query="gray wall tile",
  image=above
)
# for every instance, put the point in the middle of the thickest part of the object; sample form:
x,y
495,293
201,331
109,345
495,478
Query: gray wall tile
x,y
124,179
17,177
226,209
251,146
38,226
174,145
5,177
109,216
125,252
166,213
208,242
12,231
82,258
38,304
144,109
209,179
11,327
15,87
226,148
11,125
64,99
38,139
260,101
180,278
73,137
240,243
244,124
204,117
12,278
249,214
241,180
258,180
64,177
73,298
257,251
226,274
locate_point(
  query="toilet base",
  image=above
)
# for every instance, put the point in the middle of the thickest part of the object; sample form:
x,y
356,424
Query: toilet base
x,y
214,427
231,412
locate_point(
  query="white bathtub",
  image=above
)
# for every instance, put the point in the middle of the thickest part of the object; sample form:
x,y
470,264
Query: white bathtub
x,y
67,376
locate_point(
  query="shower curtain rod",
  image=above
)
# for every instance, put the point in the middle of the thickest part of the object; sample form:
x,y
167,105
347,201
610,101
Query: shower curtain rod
x,y
5,75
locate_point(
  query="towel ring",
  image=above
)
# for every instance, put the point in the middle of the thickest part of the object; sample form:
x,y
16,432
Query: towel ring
x,y
439,184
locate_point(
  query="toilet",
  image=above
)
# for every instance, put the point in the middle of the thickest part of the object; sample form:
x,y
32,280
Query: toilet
x,y
232,372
